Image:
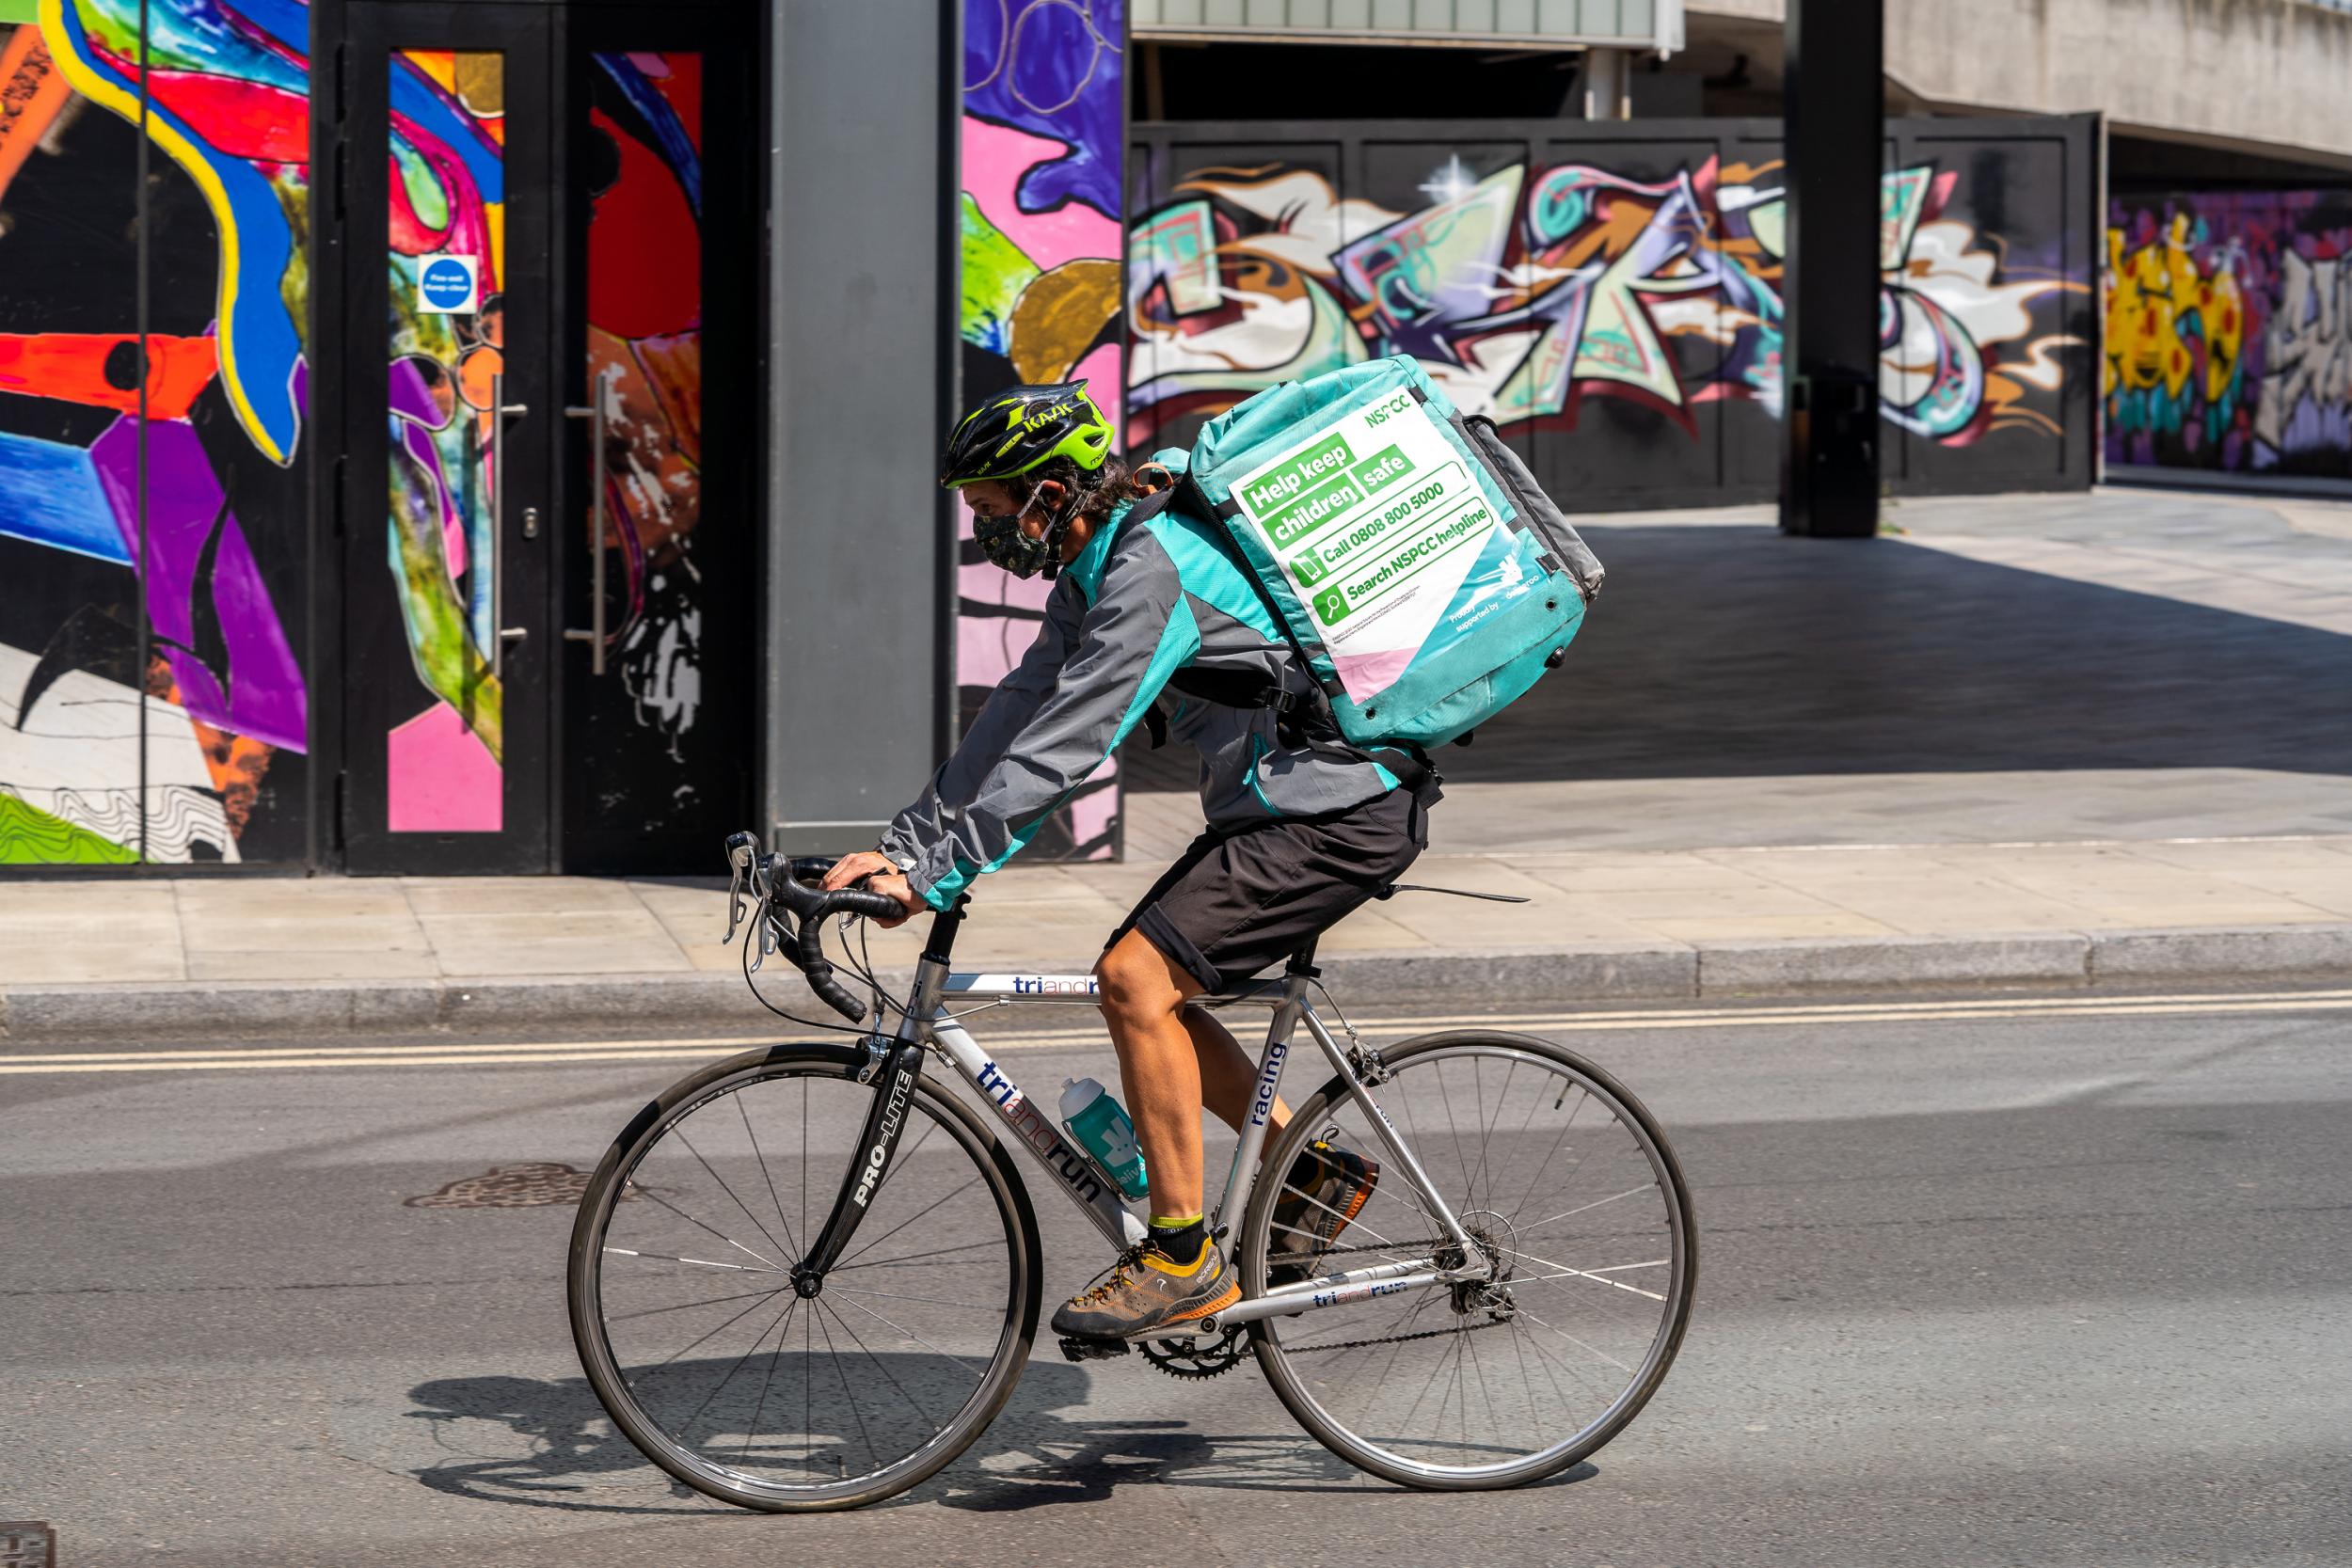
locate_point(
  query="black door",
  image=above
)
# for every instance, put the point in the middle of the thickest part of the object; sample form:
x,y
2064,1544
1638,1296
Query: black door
x,y
661,366
549,342
448,240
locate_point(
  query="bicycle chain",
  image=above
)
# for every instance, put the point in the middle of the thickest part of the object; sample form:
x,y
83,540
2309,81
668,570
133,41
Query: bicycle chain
x,y
1397,1338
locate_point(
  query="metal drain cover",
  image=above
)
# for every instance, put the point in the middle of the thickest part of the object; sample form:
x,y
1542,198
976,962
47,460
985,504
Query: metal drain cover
x,y
539,1184
27,1543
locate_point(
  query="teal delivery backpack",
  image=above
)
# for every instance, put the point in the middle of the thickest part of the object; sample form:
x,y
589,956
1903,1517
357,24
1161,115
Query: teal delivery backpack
x,y
1412,558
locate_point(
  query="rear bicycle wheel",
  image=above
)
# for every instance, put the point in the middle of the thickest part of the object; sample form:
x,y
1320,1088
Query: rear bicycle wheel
x,y
702,1351
1566,1184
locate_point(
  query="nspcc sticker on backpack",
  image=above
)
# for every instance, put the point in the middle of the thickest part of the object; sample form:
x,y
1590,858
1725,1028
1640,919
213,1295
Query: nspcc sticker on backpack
x,y
1402,550
1393,545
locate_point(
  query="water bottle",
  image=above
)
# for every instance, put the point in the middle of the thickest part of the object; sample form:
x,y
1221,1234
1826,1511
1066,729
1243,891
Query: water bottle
x,y
1099,1126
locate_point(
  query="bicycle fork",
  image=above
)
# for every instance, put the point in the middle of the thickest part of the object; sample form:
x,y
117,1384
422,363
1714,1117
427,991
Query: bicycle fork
x,y
869,1162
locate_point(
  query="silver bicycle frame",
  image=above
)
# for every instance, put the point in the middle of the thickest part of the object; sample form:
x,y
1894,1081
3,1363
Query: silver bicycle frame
x,y
941,995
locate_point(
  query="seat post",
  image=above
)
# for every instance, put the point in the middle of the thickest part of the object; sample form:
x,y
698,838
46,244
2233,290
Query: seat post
x,y
1302,964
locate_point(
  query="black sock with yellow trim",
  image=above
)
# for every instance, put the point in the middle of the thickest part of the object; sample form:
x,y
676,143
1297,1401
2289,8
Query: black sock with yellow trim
x,y
1180,1241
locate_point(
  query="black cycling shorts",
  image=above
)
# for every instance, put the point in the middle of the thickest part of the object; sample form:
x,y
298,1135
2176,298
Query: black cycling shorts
x,y
1240,900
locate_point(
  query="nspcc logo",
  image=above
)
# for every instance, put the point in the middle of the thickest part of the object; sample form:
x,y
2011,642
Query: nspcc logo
x,y
449,285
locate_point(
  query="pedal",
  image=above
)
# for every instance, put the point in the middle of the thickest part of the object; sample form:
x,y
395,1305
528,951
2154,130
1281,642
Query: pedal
x,y
1093,1350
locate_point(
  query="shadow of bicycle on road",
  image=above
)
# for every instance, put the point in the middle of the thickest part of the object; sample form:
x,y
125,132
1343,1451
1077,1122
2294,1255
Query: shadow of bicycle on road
x,y
549,1444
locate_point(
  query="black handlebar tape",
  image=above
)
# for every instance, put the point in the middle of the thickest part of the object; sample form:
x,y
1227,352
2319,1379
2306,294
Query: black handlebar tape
x,y
874,906
831,991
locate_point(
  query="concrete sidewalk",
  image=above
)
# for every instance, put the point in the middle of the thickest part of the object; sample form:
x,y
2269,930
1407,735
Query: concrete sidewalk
x,y
195,957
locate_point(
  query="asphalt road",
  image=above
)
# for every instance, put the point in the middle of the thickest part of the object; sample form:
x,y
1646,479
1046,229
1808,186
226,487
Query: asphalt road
x,y
2037,1281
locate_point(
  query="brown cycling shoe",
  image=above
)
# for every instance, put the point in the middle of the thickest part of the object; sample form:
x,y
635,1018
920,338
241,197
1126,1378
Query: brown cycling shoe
x,y
1149,1292
1316,1204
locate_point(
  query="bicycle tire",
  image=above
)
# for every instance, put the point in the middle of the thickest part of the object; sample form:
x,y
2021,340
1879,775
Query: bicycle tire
x,y
585,1286
1290,1383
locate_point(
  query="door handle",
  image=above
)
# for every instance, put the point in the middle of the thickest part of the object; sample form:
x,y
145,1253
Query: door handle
x,y
499,409
594,414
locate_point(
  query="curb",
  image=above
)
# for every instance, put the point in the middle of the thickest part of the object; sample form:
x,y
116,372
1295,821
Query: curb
x,y
1592,971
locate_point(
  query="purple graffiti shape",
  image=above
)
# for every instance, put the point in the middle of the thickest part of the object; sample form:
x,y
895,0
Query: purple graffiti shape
x,y
227,650
1052,68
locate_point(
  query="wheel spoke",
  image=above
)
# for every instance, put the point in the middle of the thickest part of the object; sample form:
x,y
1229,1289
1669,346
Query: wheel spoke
x,y
751,1432
792,1243
1577,1342
930,1208
698,1262
762,1338
678,1131
643,1191
688,1305
905,1258
846,1392
1594,1275
904,1333
883,1366
1644,1187
900,1295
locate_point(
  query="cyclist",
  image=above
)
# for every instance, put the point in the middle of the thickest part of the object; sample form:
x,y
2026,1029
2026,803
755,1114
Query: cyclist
x,y
1302,829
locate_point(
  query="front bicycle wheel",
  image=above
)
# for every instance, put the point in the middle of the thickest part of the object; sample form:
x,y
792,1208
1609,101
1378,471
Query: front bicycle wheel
x,y
1566,1184
705,1356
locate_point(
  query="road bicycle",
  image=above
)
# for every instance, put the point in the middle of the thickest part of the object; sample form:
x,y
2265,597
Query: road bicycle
x,y
809,1276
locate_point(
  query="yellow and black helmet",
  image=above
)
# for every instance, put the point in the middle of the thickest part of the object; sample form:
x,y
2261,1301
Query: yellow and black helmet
x,y
1023,427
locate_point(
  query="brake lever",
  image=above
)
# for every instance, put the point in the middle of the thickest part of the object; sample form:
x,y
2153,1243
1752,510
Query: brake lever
x,y
742,857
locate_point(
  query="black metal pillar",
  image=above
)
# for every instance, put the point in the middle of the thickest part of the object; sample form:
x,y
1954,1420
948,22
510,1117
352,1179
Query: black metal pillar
x,y
1835,108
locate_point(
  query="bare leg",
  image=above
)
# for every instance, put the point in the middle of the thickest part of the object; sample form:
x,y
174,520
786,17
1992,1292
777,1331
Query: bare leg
x,y
1143,1002
1229,1076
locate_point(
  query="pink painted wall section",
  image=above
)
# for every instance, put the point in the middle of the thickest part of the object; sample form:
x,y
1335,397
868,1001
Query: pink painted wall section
x,y
1043,246
995,159
443,779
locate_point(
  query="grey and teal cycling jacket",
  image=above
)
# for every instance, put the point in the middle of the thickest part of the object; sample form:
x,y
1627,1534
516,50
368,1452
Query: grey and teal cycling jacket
x,y
1141,602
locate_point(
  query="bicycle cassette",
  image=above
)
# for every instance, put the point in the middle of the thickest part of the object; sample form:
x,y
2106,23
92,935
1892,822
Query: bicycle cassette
x,y
1198,1357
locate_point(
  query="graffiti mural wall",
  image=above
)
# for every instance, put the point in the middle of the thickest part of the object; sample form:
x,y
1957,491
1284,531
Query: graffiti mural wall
x,y
176,497
1042,134
2228,332
1614,305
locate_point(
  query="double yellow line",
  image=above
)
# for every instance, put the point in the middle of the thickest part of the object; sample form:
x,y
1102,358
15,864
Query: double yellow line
x,y
1734,1016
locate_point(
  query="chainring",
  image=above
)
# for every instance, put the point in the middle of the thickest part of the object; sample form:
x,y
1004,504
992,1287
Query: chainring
x,y
1196,1358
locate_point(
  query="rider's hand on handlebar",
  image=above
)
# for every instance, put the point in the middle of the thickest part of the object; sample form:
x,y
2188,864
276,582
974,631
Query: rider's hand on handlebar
x,y
888,881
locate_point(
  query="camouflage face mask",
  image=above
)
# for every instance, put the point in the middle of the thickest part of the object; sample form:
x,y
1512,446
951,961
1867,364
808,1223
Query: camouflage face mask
x,y
1001,540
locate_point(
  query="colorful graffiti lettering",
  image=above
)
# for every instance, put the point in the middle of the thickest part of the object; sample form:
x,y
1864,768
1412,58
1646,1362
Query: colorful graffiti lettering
x,y
1526,292
1042,208
102,759
2229,331
2176,338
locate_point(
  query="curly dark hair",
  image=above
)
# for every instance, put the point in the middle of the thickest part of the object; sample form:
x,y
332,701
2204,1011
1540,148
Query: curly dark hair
x,y
1098,489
